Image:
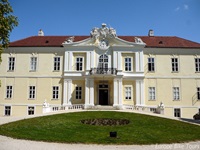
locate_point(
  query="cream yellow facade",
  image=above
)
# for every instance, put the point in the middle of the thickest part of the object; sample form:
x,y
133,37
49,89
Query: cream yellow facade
x,y
42,74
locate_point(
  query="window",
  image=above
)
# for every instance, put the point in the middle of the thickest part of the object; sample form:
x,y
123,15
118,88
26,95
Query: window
x,y
176,94
31,92
56,63
7,110
11,63
127,93
103,61
197,64
9,91
198,93
78,92
128,64
55,108
151,65
79,63
175,64
152,109
31,110
177,112
152,93
33,64
55,92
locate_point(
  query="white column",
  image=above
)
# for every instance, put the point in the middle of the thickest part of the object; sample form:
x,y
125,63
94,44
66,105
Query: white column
x,y
87,61
119,61
87,92
66,65
115,92
70,59
92,60
67,92
114,59
91,92
120,92
137,63
117,97
141,61
140,93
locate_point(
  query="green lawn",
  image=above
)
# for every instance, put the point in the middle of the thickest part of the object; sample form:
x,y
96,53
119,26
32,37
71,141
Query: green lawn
x,y
67,128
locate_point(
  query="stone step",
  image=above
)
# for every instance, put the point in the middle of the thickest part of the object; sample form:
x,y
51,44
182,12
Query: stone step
x,y
102,107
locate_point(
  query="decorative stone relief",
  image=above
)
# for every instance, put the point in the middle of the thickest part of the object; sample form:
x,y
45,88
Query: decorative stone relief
x,y
138,40
70,40
103,32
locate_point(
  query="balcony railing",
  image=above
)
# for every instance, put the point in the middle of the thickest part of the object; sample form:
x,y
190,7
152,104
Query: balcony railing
x,y
109,71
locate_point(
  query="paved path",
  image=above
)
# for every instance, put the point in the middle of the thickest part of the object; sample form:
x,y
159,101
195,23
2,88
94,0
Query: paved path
x,y
7,143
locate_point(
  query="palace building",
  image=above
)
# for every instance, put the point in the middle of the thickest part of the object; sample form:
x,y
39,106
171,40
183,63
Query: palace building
x,y
41,74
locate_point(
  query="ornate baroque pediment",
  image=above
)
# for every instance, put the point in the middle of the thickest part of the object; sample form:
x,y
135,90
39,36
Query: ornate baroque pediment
x,y
103,32
101,36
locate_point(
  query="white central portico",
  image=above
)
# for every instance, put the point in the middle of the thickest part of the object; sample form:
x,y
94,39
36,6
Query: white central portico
x,y
103,69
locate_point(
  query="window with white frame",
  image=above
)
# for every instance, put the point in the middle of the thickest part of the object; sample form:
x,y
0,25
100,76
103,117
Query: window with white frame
x,y
56,63
79,63
152,93
176,93
11,63
128,64
151,64
103,61
198,93
32,92
31,110
9,91
33,64
197,64
175,65
177,112
78,92
7,111
128,93
55,92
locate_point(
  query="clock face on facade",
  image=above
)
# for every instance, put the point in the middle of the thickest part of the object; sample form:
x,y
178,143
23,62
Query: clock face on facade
x,y
103,44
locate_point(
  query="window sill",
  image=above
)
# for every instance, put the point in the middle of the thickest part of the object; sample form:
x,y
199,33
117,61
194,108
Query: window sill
x,y
151,71
152,99
32,70
31,99
128,100
56,70
176,99
175,72
10,70
8,98
55,99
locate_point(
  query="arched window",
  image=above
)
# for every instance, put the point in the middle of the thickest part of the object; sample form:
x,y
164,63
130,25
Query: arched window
x,y
103,61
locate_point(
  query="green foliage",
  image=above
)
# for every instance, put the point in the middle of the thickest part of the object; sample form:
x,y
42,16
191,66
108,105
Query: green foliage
x,y
7,24
67,128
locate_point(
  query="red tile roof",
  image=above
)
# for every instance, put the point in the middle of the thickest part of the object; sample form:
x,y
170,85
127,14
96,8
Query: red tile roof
x,y
151,41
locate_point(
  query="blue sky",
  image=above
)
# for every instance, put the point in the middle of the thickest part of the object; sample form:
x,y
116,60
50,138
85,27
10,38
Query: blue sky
x,y
129,17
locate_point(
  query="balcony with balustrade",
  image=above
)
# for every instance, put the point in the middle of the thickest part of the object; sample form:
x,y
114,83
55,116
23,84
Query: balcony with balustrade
x,y
103,71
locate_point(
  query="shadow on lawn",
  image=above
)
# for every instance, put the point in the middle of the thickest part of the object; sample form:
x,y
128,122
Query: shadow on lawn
x,y
190,120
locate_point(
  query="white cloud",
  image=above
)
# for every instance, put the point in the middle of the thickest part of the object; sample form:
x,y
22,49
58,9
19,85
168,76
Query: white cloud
x,y
183,7
177,8
186,7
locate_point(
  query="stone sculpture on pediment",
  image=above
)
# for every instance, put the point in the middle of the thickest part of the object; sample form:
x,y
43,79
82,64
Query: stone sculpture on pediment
x,y
70,40
103,32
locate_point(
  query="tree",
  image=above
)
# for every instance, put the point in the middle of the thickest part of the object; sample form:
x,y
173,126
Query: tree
x,y
7,24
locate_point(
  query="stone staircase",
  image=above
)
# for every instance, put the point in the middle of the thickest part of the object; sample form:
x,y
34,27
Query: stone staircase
x,y
102,107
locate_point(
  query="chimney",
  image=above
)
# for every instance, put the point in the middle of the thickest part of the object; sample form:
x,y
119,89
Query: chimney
x,y
151,32
40,33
